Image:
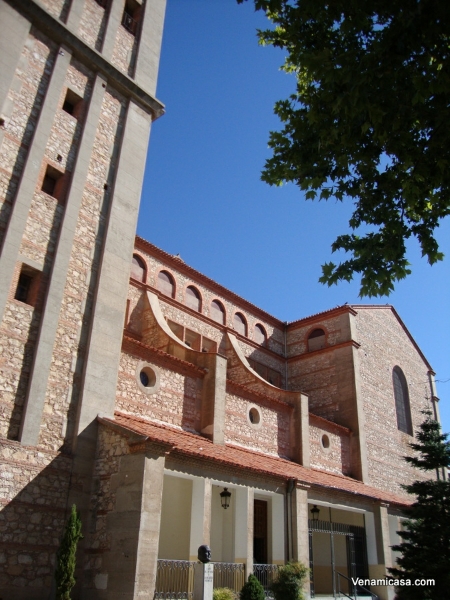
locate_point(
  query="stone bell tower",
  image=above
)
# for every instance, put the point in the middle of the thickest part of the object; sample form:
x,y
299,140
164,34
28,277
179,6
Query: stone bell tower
x,y
77,99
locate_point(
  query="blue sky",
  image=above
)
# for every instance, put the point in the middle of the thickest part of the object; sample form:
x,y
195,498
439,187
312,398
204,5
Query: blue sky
x,y
203,198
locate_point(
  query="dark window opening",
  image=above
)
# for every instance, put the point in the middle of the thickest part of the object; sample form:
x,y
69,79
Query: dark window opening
x,y
138,269
217,312
131,16
23,287
240,324
72,103
27,285
52,182
193,298
102,3
144,378
270,375
402,405
166,284
316,340
260,336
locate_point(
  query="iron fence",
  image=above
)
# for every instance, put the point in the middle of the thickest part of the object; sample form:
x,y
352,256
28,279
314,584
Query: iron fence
x,y
230,575
174,580
266,574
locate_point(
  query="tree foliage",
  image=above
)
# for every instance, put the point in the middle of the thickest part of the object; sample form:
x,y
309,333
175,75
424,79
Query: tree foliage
x,y
425,545
369,122
66,559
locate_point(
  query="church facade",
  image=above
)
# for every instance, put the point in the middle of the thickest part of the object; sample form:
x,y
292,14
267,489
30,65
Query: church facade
x,y
171,411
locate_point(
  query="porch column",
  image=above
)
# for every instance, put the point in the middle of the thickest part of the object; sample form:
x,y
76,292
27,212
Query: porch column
x,y
133,526
243,528
300,539
200,515
383,550
277,555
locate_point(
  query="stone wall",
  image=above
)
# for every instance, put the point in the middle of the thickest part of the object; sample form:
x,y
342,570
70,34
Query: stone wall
x,y
329,447
124,51
33,496
71,337
93,24
384,345
21,112
270,435
177,402
110,450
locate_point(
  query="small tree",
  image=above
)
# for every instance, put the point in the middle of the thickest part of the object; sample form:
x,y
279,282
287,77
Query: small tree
x,y
252,590
66,558
425,545
290,581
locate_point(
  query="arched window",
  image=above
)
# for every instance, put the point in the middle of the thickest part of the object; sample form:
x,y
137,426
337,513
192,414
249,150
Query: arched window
x,y
138,269
166,284
217,312
316,339
240,324
193,298
259,335
401,396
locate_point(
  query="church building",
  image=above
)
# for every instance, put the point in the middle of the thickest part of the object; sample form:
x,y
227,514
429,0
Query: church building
x,y
171,411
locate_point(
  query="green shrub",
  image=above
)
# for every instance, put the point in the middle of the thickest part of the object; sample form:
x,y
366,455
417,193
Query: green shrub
x,y
252,590
289,582
223,594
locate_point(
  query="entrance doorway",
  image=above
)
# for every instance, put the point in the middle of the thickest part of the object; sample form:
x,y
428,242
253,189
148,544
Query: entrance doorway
x,y
260,532
336,548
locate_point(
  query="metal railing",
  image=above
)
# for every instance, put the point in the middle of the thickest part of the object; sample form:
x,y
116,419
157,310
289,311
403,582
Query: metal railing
x,y
230,575
356,589
266,574
174,579
129,23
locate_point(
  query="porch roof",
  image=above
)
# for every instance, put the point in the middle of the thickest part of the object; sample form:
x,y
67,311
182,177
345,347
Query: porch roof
x,y
185,443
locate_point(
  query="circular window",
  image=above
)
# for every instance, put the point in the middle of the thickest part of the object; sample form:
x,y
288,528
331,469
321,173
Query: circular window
x,y
254,416
147,377
325,441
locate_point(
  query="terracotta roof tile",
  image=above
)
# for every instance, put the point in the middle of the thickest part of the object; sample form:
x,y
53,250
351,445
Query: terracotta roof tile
x,y
197,446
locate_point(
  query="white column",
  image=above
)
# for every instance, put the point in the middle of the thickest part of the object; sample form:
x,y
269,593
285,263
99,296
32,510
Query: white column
x,y
200,515
277,555
243,528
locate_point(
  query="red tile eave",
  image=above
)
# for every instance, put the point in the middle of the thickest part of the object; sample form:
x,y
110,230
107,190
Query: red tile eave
x,y
183,443
327,423
331,312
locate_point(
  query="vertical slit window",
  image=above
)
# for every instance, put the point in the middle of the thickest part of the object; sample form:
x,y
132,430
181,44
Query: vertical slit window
x,y
402,405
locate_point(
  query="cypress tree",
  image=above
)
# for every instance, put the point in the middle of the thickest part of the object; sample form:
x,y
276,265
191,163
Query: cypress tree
x,y
425,545
66,558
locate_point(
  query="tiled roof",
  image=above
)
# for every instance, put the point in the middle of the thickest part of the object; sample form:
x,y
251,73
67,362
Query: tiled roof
x,y
198,447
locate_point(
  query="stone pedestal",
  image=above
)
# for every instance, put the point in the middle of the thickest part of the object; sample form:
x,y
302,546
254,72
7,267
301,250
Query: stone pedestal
x,y
203,581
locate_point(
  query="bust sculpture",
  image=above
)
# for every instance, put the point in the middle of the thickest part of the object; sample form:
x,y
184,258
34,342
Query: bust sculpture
x,y
204,554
